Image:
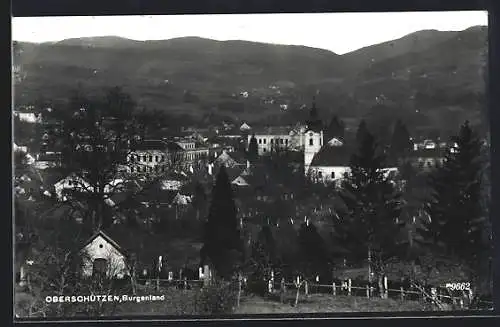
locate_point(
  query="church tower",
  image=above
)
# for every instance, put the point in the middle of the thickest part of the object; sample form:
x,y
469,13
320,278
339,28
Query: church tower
x,y
313,141
313,137
314,123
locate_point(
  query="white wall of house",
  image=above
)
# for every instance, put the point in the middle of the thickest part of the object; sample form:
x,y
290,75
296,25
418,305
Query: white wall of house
x,y
100,248
328,174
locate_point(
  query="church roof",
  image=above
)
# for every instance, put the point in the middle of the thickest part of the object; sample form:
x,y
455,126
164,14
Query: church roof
x,y
332,156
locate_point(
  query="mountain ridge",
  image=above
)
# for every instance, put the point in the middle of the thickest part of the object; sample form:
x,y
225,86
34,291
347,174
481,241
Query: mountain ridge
x,y
194,75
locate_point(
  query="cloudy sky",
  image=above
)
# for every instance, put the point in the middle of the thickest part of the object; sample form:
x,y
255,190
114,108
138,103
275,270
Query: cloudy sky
x,y
338,32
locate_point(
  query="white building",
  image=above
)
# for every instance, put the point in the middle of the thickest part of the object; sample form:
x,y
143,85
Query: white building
x,y
245,127
331,163
28,117
103,255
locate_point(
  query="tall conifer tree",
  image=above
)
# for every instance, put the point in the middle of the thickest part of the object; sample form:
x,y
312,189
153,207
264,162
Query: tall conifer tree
x,y
457,222
370,221
253,149
223,245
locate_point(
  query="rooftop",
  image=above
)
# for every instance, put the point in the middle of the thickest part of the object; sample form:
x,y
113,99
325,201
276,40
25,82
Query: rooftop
x,y
332,156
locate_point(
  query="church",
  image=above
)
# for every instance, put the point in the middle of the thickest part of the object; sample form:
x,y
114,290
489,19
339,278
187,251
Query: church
x,y
324,162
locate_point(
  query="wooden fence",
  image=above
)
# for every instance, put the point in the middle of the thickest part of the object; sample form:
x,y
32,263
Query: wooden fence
x,y
335,289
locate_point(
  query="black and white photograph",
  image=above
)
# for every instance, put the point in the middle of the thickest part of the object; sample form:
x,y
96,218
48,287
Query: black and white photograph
x,y
249,164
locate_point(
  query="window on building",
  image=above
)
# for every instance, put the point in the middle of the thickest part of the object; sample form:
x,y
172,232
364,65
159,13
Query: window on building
x,y
157,158
320,174
150,158
264,141
150,169
333,175
311,141
163,158
281,141
272,141
429,164
286,141
144,158
260,141
264,149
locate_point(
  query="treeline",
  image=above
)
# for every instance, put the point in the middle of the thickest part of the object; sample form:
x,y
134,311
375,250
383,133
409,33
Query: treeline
x,y
371,227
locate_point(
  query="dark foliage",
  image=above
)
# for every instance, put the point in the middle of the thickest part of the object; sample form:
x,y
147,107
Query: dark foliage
x,y
457,225
315,258
370,220
223,246
253,149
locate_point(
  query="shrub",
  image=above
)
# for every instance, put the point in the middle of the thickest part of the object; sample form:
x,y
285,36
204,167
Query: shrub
x,y
257,287
218,298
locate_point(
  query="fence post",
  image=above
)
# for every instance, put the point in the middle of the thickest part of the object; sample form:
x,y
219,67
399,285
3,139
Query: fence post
x,y
367,292
282,290
461,303
349,283
434,294
239,291
306,287
185,283
402,293
386,288
334,289
269,286
371,291
272,281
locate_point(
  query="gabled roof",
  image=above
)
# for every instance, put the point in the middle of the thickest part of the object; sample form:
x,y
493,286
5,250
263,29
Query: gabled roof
x,y
107,238
332,156
240,181
274,130
160,145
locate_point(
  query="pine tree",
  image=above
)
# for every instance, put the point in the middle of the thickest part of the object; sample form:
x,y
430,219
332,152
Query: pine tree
x,y
401,143
199,199
314,254
362,130
263,253
370,221
336,128
456,219
223,246
253,153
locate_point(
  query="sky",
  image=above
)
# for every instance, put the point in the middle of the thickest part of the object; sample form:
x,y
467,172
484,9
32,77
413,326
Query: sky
x,y
337,32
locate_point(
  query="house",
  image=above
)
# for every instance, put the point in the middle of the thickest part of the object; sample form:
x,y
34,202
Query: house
x,y
102,255
48,160
71,183
245,127
229,160
240,181
28,117
331,164
154,156
427,159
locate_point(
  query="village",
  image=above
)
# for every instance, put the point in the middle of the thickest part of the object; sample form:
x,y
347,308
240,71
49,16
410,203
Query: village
x,y
181,164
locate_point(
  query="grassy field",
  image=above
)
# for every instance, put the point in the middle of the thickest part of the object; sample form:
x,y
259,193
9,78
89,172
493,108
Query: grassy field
x,y
322,303
183,302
